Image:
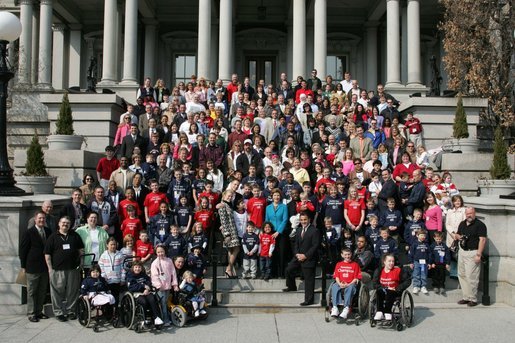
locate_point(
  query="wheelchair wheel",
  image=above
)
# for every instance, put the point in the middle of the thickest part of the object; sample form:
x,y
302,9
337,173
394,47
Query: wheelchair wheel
x,y
372,306
127,310
84,312
407,308
139,319
179,316
363,301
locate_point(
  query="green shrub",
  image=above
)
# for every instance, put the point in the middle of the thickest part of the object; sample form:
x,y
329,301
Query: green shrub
x,y
460,127
500,169
35,164
64,123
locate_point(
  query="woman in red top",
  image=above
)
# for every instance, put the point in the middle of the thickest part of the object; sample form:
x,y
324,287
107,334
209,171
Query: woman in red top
x,y
404,166
389,281
354,210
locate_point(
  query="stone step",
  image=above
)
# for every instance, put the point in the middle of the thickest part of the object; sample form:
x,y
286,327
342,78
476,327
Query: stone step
x,y
267,298
260,308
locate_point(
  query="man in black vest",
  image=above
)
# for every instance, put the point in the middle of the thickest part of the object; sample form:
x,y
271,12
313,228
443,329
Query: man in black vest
x,y
307,242
32,259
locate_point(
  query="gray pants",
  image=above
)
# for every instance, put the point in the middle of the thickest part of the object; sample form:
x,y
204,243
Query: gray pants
x,y
37,286
65,290
468,274
250,266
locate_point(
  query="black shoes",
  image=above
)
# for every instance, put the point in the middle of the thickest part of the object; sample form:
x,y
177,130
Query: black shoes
x,y
463,302
289,290
72,316
42,316
306,303
62,318
34,319
472,304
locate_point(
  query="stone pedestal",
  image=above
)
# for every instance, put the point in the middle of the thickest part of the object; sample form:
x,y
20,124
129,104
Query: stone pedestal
x,y
16,212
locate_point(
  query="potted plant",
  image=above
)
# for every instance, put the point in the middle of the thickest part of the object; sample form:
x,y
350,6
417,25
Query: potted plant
x,y
35,179
460,131
64,139
500,171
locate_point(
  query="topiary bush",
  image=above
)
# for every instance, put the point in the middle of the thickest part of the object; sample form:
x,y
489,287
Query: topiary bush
x,y
500,169
35,164
460,127
64,123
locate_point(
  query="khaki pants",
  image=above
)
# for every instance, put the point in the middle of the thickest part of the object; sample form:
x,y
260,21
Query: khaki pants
x,y
37,286
65,290
468,274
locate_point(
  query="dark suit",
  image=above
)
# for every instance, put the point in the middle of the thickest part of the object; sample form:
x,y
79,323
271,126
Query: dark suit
x,y
69,211
146,135
140,199
307,245
32,258
389,190
242,163
128,146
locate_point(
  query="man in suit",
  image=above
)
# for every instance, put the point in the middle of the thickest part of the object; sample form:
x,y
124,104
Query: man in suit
x,y
140,190
144,118
247,158
50,220
32,259
305,250
181,116
131,141
152,128
389,190
361,145
75,210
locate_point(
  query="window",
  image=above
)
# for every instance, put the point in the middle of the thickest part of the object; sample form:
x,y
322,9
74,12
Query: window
x,y
184,67
336,66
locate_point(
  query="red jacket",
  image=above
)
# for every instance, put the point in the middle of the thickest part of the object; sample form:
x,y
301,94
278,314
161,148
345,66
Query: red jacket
x,y
303,91
413,126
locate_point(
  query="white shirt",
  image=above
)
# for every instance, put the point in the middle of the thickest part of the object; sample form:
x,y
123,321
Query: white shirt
x,y
346,85
93,235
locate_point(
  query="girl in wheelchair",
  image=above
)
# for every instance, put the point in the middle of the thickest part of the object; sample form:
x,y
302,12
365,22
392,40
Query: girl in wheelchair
x,y
346,275
389,281
193,293
95,288
139,284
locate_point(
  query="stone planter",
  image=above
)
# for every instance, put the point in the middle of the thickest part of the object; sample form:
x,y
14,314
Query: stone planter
x,y
36,184
494,188
64,142
465,145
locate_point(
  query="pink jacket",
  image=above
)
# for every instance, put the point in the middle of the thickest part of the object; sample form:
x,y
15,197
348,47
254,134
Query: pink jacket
x,y
433,219
121,133
162,273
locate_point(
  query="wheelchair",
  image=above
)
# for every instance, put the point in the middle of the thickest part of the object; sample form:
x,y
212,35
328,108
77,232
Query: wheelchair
x,y
101,314
134,316
181,309
402,312
359,305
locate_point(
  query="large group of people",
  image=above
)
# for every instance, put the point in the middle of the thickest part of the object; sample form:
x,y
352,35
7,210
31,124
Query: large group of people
x,y
279,175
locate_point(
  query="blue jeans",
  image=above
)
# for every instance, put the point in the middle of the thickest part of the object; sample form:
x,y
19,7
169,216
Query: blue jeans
x,y
348,293
419,274
163,297
265,263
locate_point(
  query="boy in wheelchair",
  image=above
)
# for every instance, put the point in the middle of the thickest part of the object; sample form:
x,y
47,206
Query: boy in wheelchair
x,y
389,281
139,284
193,294
347,274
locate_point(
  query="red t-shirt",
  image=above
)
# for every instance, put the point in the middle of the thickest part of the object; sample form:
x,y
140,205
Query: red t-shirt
x,y
354,208
131,226
428,183
390,279
325,181
363,194
122,208
143,249
152,201
266,240
213,198
106,167
347,271
205,217
256,208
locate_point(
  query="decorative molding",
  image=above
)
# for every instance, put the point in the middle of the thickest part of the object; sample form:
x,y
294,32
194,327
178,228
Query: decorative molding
x,y
58,27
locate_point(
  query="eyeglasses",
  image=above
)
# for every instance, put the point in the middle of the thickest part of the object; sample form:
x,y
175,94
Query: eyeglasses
x,y
357,163
411,146
89,179
126,118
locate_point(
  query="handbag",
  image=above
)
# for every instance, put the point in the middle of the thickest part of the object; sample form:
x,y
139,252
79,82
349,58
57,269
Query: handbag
x,y
454,248
21,278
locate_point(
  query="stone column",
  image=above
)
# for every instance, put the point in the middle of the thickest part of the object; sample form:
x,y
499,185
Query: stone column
x,y
204,38
45,45
74,53
130,42
320,31
109,62
225,50
150,49
34,66
371,55
299,39
25,51
58,57
414,65
393,57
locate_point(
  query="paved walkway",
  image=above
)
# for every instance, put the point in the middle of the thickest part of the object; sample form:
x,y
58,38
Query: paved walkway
x,y
481,324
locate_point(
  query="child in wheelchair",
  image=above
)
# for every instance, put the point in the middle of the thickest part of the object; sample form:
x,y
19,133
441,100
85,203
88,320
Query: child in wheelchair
x,y
193,293
389,281
140,285
346,275
95,288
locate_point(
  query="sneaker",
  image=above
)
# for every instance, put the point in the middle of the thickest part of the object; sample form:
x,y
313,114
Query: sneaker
x,y
334,312
437,290
197,313
344,313
202,312
424,290
416,290
158,321
387,316
379,316
253,277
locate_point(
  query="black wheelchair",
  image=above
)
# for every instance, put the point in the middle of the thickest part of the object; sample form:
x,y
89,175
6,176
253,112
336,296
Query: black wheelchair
x,y
181,309
402,312
134,316
359,307
99,314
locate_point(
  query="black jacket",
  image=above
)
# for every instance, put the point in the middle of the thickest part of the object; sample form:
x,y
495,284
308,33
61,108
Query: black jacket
x,y
32,256
128,146
69,211
389,190
307,245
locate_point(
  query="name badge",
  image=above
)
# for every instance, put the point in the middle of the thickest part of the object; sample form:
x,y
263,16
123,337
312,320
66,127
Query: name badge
x,y
423,261
329,234
66,246
441,253
162,232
